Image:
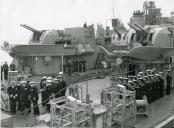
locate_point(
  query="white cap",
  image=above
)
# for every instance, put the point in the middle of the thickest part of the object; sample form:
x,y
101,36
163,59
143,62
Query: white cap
x,y
120,77
13,82
44,77
141,73
49,81
32,82
55,79
61,73
49,78
23,82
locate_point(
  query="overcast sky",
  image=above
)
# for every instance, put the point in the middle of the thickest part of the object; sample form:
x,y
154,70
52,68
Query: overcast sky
x,y
59,14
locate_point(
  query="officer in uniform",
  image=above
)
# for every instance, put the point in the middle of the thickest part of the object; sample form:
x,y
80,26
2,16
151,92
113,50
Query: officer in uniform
x,y
5,69
142,87
63,86
2,72
12,92
153,84
80,66
149,84
169,80
156,81
19,87
25,96
131,85
125,83
158,85
12,67
162,84
48,92
120,80
137,88
147,72
57,88
41,82
77,66
84,65
42,86
149,89
34,98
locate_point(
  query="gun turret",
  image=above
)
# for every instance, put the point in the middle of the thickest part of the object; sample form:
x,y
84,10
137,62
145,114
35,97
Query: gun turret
x,y
141,28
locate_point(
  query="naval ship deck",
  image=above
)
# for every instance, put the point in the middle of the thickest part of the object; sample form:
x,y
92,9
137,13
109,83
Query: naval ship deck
x,y
158,110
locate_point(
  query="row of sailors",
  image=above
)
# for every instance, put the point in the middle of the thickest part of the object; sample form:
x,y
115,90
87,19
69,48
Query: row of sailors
x,y
24,93
147,83
52,87
21,95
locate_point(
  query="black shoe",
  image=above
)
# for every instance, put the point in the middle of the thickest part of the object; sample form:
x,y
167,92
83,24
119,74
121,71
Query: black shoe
x,y
14,113
21,113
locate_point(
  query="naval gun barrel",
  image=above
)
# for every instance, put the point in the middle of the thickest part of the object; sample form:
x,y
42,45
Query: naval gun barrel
x,y
118,33
29,28
133,27
141,28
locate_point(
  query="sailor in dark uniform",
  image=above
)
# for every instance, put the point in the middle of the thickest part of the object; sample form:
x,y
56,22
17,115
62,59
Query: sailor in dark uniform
x,y
80,66
42,87
48,93
153,84
148,89
12,67
57,88
162,84
169,80
12,92
34,98
156,83
69,67
77,66
84,65
120,80
2,72
25,96
19,87
63,85
131,85
5,69
158,79
150,85
137,88
125,83
74,66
